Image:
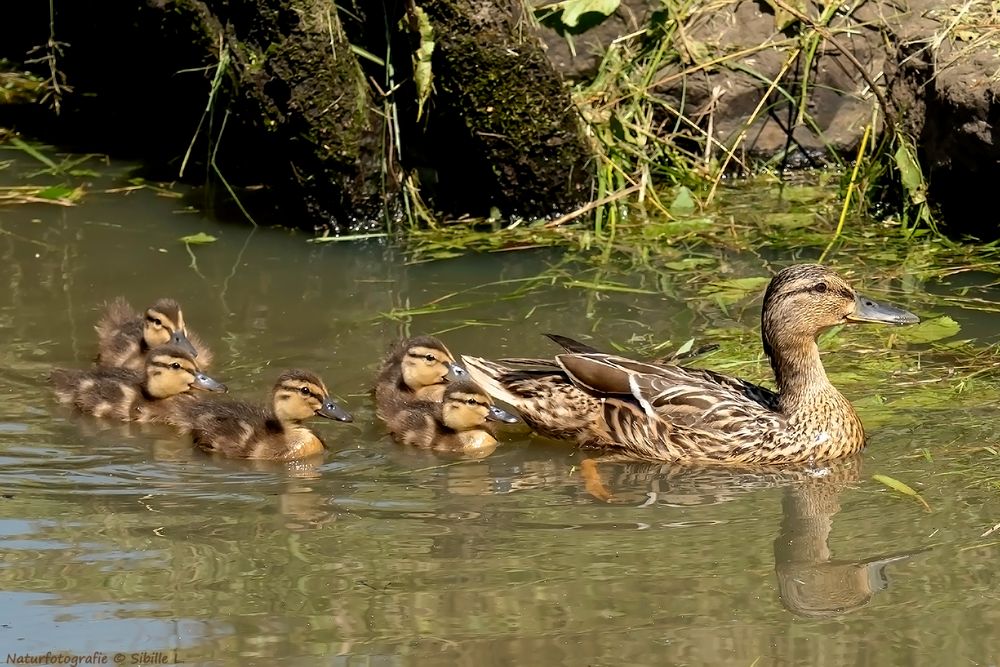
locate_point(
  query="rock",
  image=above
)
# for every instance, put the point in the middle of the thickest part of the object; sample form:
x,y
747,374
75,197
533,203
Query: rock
x,y
503,130
577,56
725,96
945,91
950,99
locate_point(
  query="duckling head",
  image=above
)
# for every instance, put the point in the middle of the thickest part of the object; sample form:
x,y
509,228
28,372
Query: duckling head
x,y
172,370
163,324
803,300
300,394
424,362
466,407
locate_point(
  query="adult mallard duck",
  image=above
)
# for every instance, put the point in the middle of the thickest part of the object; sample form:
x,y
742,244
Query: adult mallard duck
x,y
460,422
124,336
672,413
415,368
245,430
170,373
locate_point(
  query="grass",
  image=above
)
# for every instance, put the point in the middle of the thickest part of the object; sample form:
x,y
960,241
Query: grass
x,y
663,171
654,149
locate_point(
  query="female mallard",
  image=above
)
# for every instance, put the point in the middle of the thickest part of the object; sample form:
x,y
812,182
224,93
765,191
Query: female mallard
x,y
415,368
244,430
460,422
124,336
671,413
170,372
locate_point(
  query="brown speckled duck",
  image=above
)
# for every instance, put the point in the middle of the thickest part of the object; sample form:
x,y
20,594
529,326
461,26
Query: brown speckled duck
x,y
245,430
672,413
169,375
415,368
460,422
125,336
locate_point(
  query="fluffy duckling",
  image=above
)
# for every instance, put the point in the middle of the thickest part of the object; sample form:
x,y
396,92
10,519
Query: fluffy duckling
x,y
415,369
125,336
150,395
244,430
460,422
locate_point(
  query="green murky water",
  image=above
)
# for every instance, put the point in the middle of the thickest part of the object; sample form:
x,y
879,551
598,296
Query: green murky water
x,y
123,539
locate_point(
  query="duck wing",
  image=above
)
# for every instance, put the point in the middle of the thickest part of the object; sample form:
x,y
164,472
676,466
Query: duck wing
x,y
667,412
682,395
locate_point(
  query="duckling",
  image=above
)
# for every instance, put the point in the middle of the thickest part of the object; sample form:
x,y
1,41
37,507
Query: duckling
x,y
147,396
460,422
124,336
672,413
244,430
415,368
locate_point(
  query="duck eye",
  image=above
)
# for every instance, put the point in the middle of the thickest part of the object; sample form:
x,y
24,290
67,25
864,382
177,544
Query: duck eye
x,y
176,366
471,401
305,391
430,357
819,288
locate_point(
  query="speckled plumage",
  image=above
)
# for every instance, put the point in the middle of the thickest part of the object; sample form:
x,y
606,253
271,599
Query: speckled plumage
x,y
414,368
457,423
246,430
124,336
671,413
164,384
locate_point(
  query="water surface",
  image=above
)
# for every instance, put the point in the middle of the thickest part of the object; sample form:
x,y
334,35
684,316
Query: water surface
x,y
121,538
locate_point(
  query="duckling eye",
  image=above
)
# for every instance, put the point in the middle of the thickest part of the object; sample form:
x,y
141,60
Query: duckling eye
x,y
176,366
157,322
819,288
430,357
471,401
304,391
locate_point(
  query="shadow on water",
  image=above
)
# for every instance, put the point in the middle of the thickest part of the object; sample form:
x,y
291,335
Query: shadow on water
x,y
123,538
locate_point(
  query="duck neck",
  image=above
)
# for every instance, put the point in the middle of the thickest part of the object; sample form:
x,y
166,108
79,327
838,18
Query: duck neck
x,y
798,373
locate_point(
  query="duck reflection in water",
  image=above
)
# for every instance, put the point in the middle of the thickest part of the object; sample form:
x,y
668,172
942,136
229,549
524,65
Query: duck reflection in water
x,y
811,583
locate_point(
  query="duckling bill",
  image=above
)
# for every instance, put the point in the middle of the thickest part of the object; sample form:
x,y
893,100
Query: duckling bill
x,y
245,430
671,413
124,337
169,375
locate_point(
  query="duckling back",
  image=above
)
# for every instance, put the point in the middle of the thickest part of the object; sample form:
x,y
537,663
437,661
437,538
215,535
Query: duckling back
x,y
122,337
168,375
238,429
458,423
102,392
421,424
245,430
119,336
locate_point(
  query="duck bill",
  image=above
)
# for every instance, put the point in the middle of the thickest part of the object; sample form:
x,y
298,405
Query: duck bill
x,y
456,373
498,415
205,383
180,340
870,310
331,410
